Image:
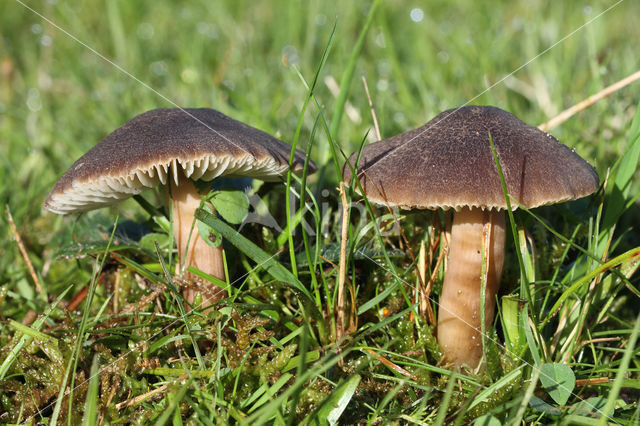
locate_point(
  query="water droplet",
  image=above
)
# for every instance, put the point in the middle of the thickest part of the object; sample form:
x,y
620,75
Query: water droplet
x,y
416,14
145,31
189,75
45,81
208,30
517,24
159,68
33,100
443,56
289,55
321,20
399,118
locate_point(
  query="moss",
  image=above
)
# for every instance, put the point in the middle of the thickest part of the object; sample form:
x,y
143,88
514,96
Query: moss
x,y
311,397
402,335
428,341
268,368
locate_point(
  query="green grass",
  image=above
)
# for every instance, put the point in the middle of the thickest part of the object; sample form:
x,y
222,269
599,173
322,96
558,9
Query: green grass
x,y
268,353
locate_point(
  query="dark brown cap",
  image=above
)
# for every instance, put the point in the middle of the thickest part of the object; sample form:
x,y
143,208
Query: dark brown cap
x,y
448,163
141,154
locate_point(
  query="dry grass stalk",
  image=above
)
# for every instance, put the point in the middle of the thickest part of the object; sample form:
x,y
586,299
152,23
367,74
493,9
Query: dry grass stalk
x,y
570,112
373,111
23,251
342,272
140,398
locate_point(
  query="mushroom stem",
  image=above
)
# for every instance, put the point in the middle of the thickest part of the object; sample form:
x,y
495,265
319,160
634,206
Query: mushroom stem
x,y
192,249
459,327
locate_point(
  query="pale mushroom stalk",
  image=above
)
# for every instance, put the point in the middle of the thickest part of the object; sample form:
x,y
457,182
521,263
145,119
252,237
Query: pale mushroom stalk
x,y
459,319
192,249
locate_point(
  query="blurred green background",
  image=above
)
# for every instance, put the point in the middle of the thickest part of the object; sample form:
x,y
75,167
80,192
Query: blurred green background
x,y
63,89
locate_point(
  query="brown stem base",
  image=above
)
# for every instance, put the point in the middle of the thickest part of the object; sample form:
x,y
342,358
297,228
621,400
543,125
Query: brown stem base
x,y
192,249
459,327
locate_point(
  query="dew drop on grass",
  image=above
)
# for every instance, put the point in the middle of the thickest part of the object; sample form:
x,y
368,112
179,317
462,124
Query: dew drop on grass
x,y
189,75
443,56
33,100
207,29
145,31
384,68
321,20
416,14
159,68
289,55
44,81
517,24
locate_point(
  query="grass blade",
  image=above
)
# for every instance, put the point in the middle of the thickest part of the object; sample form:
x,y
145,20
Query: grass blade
x,y
90,416
268,263
348,73
176,398
625,168
183,313
446,399
607,411
334,405
26,339
633,253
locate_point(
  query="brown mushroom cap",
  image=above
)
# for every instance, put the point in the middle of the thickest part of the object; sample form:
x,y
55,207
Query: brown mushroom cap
x,y
448,163
201,142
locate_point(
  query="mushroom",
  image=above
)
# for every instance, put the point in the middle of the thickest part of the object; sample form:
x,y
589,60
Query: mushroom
x,y
174,147
448,163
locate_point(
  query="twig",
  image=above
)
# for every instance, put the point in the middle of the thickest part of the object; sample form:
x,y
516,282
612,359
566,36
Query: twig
x,y
343,265
116,291
484,279
599,340
434,274
593,381
568,113
77,299
30,317
373,111
391,365
422,270
16,235
140,398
